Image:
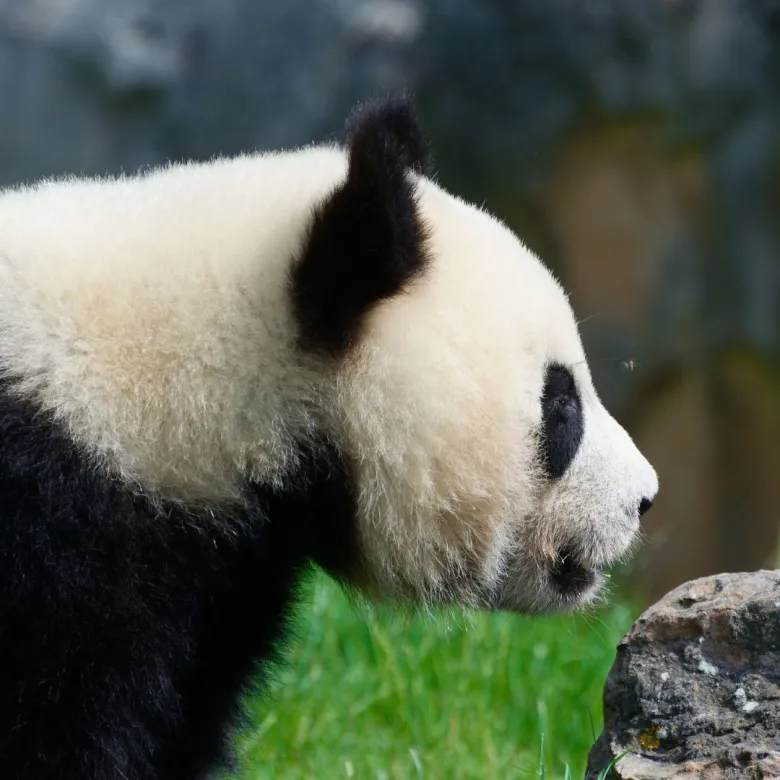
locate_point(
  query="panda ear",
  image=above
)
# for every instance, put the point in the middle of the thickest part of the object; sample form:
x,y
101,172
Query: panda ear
x,y
367,241
394,118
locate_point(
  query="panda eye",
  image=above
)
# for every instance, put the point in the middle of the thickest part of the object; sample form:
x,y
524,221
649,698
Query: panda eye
x,y
562,425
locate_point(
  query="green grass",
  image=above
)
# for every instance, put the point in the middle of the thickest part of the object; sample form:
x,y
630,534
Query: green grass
x,y
385,695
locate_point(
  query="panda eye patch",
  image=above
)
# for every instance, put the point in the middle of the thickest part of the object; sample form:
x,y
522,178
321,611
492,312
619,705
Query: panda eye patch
x,y
562,425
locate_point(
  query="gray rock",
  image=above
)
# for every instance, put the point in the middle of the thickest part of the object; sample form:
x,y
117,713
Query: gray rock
x,y
695,689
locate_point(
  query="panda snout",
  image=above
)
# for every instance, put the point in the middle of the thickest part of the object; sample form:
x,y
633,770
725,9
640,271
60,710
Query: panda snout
x,y
645,505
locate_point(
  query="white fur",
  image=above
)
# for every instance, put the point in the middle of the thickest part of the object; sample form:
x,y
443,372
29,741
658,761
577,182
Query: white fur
x,y
151,316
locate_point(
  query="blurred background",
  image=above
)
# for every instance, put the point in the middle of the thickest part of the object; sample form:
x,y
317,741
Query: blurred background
x,y
634,144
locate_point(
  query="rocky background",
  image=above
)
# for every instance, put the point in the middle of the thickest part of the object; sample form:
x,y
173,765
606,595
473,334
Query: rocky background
x,y
695,688
633,144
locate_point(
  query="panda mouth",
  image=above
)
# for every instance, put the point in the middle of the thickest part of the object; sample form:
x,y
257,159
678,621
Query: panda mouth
x,y
569,575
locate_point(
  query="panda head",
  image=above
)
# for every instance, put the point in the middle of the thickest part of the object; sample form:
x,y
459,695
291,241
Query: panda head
x,y
207,329
484,468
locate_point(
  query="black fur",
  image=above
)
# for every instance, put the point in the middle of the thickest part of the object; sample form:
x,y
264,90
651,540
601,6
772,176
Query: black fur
x,y
562,423
393,116
367,242
127,632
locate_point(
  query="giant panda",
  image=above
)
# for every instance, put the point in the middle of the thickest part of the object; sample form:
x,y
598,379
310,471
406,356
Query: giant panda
x,y
214,375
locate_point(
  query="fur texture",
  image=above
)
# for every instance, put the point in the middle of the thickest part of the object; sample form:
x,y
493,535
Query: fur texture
x,y
151,316
392,120
366,244
128,628
214,374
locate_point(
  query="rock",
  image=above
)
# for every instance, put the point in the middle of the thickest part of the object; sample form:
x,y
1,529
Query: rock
x,y
695,689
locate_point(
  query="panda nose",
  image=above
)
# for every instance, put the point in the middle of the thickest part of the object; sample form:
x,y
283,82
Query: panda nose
x,y
644,505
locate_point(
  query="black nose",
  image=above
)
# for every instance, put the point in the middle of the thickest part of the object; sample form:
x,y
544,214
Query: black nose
x,y
644,505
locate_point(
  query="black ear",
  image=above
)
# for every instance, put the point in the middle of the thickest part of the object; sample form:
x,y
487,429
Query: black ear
x,y
394,117
367,242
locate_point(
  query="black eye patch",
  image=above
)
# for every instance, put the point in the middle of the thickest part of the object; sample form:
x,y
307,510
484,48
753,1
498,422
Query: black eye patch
x,y
562,425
